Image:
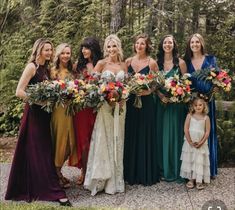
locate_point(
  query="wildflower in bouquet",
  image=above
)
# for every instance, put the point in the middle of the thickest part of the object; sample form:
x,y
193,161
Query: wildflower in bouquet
x,y
218,77
74,93
46,94
90,78
178,89
114,92
93,97
140,82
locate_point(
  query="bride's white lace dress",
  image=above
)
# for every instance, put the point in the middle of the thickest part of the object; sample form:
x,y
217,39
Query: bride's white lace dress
x,y
105,160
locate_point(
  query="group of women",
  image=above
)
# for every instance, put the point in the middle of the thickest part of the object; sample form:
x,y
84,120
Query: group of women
x,y
138,146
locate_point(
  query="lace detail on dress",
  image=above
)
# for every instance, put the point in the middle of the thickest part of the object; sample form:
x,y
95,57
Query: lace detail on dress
x,y
104,168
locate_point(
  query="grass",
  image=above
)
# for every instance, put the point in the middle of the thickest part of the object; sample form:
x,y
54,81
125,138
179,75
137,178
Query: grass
x,y
39,206
20,205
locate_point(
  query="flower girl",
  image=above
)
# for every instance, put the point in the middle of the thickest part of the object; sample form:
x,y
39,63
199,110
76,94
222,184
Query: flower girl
x,y
195,153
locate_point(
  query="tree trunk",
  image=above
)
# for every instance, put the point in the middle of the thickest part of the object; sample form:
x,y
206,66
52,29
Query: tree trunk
x,y
118,15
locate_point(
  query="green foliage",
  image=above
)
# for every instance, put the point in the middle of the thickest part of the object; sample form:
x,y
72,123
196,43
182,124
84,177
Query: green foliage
x,y
22,22
226,134
10,119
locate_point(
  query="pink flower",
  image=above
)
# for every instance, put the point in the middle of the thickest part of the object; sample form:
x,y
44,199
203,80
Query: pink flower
x,y
76,82
179,90
221,75
226,81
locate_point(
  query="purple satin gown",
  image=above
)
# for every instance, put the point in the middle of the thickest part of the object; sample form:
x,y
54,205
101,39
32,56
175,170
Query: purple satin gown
x,y
33,174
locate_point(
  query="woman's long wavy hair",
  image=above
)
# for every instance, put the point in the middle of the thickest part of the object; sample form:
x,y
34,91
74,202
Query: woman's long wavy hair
x,y
188,52
58,51
117,41
93,45
161,53
37,50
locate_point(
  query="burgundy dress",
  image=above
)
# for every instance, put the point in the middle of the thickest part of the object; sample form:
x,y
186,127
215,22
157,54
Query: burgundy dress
x,y
83,127
33,174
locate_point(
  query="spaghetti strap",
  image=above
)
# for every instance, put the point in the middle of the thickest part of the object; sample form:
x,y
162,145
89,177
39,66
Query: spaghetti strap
x,y
149,61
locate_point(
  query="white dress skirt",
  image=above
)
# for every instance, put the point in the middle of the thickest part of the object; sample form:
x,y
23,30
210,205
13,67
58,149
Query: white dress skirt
x,y
105,159
195,161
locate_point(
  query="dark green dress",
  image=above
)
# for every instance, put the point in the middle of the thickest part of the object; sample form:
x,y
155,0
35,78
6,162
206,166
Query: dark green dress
x,y
170,134
140,146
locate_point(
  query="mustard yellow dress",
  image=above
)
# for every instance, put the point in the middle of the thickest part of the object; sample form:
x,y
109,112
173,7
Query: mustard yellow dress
x,y
63,135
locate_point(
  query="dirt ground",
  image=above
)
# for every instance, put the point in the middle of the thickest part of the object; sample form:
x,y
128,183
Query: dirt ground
x,y
7,148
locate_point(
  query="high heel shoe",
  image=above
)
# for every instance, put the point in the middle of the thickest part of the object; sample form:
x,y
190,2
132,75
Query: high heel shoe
x,y
64,202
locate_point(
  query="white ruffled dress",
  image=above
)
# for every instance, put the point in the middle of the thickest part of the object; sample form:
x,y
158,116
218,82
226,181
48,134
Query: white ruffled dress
x,y
195,161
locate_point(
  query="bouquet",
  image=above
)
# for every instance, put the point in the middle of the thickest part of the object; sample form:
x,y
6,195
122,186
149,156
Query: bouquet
x,y
140,82
218,77
113,92
178,88
46,93
74,93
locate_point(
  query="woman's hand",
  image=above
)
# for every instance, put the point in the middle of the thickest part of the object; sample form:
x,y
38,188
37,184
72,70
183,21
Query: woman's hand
x,y
121,103
215,89
198,144
144,92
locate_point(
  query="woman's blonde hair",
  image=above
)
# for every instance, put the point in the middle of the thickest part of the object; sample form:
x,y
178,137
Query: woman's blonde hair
x,y
37,49
58,51
205,108
117,41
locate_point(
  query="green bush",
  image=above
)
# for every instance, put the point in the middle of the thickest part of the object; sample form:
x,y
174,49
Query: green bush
x,y
226,134
10,118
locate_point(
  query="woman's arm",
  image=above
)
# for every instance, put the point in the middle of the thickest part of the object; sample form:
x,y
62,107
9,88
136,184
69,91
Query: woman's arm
x,y
28,73
183,66
99,66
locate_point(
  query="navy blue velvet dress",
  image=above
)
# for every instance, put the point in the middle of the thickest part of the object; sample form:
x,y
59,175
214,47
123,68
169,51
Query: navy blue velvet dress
x,y
204,88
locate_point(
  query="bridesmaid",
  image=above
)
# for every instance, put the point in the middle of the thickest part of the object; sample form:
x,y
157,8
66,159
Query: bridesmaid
x,y
33,174
196,58
140,150
62,124
170,116
89,54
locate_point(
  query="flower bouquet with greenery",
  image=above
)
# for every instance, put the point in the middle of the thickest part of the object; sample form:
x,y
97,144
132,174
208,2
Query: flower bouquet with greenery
x,y
218,77
178,88
139,82
113,92
46,93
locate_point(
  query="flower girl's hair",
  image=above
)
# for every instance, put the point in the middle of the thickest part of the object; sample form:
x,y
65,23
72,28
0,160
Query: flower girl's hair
x,y
194,100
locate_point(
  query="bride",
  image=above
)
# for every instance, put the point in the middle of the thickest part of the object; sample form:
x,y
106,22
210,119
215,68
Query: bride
x,y
105,160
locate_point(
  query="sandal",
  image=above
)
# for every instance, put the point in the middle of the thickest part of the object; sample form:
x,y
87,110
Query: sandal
x,y
190,184
200,186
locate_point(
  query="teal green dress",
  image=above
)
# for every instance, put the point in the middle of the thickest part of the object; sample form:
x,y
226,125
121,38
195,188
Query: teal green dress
x,y
140,145
170,134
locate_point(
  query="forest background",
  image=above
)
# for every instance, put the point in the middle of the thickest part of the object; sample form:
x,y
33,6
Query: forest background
x,y
24,21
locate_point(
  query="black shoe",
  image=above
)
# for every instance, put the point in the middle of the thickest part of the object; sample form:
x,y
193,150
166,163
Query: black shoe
x,y
65,203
